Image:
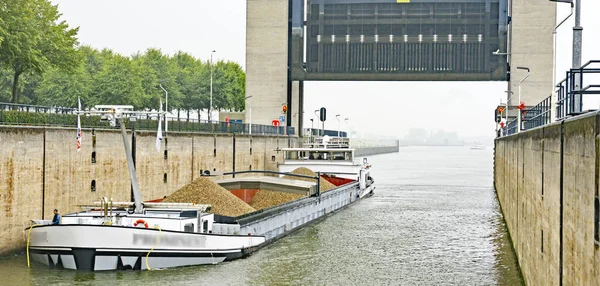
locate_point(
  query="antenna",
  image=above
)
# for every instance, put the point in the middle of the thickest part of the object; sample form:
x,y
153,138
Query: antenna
x,y
115,114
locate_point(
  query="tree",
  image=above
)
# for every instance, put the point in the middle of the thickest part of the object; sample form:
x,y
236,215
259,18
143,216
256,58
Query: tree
x,y
63,89
158,68
2,30
185,75
34,40
229,86
119,82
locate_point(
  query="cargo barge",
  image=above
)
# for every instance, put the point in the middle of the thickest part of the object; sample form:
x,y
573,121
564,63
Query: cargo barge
x,y
140,235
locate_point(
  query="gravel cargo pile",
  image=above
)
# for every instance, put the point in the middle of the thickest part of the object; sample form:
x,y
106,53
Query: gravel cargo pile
x,y
325,185
265,199
206,191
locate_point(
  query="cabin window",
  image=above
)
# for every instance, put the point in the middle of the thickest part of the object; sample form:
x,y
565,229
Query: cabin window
x,y
339,156
188,227
205,226
291,155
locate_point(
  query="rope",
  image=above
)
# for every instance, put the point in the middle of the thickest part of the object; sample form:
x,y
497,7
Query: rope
x,y
28,238
155,245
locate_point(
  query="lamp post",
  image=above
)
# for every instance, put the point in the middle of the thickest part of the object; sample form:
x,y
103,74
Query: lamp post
x,y
520,82
249,114
510,96
553,91
338,120
317,115
347,129
576,60
577,31
211,87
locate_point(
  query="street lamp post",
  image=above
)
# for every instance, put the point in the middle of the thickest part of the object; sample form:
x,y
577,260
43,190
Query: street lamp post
x,y
520,82
510,96
338,120
317,115
249,114
577,39
211,87
553,91
347,129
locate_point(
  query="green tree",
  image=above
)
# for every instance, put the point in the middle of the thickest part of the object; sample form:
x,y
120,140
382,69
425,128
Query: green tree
x,y
118,82
27,91
58,88
158,68
5,84
229,86
2,30
184,75
34,40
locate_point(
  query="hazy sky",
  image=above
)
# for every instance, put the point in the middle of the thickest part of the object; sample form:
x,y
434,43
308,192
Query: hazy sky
x,y
386,108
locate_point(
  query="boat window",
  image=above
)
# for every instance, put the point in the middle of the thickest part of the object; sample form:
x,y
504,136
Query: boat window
x,y
340,156
205,226
189,227
291,155
188,214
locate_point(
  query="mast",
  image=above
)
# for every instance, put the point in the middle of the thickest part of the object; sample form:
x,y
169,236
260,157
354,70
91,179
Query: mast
x,y
137,195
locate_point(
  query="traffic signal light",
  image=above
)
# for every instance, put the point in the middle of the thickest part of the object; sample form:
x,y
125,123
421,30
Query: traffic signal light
x,y
322,114
499,111
284,108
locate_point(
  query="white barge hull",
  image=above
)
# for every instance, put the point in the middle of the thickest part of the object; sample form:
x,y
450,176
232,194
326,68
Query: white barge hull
x,y
103,247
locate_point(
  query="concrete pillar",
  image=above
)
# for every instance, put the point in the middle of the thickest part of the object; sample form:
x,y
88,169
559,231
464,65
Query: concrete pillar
x,y
266,58
532,47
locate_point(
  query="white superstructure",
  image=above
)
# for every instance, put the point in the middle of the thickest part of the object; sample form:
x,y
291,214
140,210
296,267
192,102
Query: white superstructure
x,y
329,156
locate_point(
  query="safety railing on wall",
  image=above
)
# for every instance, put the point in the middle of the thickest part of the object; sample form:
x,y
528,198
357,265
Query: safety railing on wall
x,y
570,95
32,115
538,115
570,91
511,127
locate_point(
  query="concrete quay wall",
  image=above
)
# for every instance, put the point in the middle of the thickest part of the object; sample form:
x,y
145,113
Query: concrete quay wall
x,y
547,181
40,169
368,151
367,147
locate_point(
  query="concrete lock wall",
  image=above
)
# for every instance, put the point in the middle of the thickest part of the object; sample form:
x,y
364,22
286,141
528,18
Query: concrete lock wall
x,y
546,181
40,169
366,147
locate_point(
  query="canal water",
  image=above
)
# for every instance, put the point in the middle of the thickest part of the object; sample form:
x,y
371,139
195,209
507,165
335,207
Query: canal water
x,y
434,220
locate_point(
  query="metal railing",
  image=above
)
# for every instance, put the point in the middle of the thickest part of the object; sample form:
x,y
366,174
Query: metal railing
x,y
511,127
33,115
538,115
569,102
330,133
570,91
